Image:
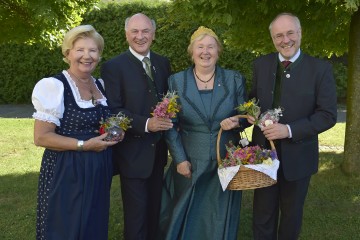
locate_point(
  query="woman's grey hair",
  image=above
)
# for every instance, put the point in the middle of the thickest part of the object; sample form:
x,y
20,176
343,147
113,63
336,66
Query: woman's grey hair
x,y
81,32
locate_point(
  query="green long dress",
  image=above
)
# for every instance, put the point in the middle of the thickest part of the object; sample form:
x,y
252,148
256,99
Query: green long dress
x,y
197,207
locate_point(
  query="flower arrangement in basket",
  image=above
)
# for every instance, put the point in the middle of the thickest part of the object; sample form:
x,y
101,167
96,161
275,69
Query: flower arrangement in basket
x,y
115,126
236,155
245,166
168,107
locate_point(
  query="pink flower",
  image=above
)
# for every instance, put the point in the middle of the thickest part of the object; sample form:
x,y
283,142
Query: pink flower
x,y
168,107
237,155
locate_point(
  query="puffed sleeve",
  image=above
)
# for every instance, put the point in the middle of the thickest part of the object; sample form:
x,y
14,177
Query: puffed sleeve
x,y
48,100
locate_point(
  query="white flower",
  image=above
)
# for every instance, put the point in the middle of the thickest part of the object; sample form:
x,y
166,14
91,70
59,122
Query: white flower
x,y
268,122
268,162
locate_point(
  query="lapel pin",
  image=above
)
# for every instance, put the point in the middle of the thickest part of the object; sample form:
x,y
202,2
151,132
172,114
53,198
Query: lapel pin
x,y
287,75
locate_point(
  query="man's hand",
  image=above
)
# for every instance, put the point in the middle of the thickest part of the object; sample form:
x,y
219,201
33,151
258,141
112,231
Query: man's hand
x,y
276,131
159,124
250,119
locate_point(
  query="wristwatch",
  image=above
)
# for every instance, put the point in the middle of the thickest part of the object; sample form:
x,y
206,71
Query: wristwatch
x,y
80,145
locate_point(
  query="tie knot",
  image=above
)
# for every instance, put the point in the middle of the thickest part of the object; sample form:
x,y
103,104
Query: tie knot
x,y
146,60
285,63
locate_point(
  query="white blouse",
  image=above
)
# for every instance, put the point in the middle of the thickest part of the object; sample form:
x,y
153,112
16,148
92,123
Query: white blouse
x,y
48,98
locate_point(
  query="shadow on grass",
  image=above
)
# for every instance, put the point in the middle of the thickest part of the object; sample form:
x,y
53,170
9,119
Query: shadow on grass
x,y
18,195
333,202
332,206
18,206
331,209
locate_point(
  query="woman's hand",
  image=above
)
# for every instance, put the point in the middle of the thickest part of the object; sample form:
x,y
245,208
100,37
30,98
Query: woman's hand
x,y
184,168
250,119
98,144
229,123
45,136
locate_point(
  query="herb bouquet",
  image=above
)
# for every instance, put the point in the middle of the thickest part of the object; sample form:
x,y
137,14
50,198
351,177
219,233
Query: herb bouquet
x,y
115,126
245,166
168,107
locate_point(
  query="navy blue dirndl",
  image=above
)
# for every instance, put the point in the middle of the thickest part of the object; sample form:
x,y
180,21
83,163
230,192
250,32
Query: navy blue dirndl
x,y
74,187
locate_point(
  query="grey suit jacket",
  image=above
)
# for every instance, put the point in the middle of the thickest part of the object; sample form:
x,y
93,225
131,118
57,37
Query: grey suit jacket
x,y
308,97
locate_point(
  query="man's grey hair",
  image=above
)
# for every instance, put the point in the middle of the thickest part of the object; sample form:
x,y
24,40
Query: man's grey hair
x,y
296,19
151,20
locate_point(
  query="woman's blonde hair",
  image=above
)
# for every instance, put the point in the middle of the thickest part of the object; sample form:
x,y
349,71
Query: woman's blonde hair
x,y
199,34
81,32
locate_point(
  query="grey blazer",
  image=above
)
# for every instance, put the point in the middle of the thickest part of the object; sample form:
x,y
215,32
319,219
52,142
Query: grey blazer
x,y
308,96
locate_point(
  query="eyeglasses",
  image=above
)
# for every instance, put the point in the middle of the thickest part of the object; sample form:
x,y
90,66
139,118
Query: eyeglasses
x,y
280,37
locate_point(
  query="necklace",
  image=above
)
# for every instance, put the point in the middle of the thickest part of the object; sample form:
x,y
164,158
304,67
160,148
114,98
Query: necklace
x,y
79,79
204,81
88,84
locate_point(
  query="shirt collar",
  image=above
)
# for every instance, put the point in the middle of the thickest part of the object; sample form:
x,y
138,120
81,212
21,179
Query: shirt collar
x,y
139,56
293,59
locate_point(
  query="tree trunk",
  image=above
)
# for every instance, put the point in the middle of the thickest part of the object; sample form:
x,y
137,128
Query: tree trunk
x,y
351,163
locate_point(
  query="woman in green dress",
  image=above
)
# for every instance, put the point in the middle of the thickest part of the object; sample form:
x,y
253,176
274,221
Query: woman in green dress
x,y
194,206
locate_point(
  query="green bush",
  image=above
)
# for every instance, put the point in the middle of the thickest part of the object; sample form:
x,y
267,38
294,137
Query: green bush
x,y
23,65
341,76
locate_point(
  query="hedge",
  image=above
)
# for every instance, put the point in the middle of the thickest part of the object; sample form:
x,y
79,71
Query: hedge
x,y
23,65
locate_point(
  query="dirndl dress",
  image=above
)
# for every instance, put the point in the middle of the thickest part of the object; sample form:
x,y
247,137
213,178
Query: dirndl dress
x,y
74,187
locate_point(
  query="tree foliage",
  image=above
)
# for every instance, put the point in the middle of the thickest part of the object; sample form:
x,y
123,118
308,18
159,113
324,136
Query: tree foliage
x,y
325,24
328,27
44,21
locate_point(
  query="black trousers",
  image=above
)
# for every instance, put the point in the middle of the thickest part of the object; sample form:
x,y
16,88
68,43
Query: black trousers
x,y
285,198
141,204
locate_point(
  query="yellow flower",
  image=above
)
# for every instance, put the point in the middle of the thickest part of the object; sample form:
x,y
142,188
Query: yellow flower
x,y
251,108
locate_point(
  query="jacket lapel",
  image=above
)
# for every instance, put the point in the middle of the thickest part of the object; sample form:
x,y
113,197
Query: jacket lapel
x,y
220,91
192,95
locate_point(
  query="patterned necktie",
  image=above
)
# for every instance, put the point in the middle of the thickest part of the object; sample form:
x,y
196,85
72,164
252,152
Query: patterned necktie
x,y
147,62
286,63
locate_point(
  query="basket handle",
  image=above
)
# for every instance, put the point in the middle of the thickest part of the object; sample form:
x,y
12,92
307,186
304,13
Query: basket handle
x,y
219,137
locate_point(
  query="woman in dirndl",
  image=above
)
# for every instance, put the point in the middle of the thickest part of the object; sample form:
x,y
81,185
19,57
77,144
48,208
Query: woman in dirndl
x,y
76,168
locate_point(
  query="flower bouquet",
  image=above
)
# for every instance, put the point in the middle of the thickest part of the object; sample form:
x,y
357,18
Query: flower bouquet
x,y
269,117
115,126
168,107
248,155
246,166
251,108
266,118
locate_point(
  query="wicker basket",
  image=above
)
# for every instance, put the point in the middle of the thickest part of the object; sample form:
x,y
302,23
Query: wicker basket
x,y
246,178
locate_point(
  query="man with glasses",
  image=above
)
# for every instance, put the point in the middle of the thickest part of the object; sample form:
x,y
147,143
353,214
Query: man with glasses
x,y
305,88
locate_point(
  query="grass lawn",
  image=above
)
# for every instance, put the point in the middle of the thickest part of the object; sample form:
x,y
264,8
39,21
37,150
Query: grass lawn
x,y
332,208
